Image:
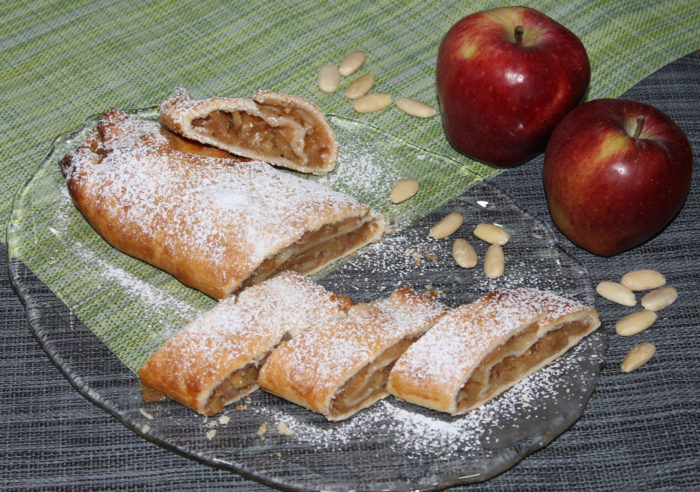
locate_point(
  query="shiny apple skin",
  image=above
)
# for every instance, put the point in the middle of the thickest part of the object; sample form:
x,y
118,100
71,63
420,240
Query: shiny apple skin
x,y
608,191
500,101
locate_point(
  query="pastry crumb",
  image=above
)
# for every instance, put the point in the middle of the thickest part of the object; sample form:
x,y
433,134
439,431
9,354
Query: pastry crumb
x,y
211,434
146,428
262,430
240,407
224,419
146,414
283,430
430,256
431,291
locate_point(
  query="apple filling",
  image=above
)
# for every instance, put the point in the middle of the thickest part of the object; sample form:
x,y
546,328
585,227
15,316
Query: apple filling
x,y
369,384
521,355
274,134
237,385
150,394
319,248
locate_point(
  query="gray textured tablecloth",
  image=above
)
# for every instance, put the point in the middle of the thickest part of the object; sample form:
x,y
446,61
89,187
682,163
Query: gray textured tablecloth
x,y
639,431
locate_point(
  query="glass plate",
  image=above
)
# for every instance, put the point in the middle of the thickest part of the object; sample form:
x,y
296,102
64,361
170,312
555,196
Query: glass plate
x,y
392,445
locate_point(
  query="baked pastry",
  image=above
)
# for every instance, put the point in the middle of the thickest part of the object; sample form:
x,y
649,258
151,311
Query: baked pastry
x,y
215,359
479,350
339,367
280,129
119,129
216,225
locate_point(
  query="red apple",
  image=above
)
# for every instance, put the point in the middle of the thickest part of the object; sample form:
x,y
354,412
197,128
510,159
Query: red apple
x,y
615,173
505,78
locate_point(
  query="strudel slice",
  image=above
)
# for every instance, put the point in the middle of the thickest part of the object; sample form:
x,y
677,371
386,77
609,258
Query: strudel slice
x,y
339,367
280,129
479,350
216,225
119,129
215,359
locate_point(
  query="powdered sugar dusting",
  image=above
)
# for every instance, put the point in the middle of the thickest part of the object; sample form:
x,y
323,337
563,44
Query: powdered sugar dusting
x,y
530,408
360,169
123,130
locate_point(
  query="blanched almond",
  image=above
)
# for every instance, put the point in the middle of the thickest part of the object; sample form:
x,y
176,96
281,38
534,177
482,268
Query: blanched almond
x,y
494,261
643,279
447,226
635,323
403,190
491,233
660,298
638,356
360,87
464,253
372,102
328,78
616,292
351,62
415,108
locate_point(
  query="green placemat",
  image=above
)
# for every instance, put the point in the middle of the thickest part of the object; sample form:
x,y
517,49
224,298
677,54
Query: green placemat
x,y
65,61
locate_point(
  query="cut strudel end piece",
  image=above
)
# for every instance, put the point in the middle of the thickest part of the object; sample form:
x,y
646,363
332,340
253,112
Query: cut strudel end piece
x,y
215,359
479,350
216,225
340,367
280,129
119,129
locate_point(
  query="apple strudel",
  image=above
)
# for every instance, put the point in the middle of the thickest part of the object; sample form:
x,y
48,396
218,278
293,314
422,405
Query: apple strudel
x,y
479,350
215,359
216,225
339,367
280,129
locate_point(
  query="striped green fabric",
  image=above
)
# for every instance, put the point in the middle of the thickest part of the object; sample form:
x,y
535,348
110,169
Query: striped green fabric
x,y
65,61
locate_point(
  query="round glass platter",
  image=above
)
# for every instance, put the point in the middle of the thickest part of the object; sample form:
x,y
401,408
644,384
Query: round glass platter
x,y
98,313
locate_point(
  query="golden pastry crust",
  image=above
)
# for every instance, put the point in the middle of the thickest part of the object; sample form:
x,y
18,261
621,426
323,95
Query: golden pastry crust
x,y
340,367
119,129
479,350
214,224
215,359
280,129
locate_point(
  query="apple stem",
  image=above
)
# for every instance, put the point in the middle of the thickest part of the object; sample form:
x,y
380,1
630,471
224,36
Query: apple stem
x,y
640,125
518,33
